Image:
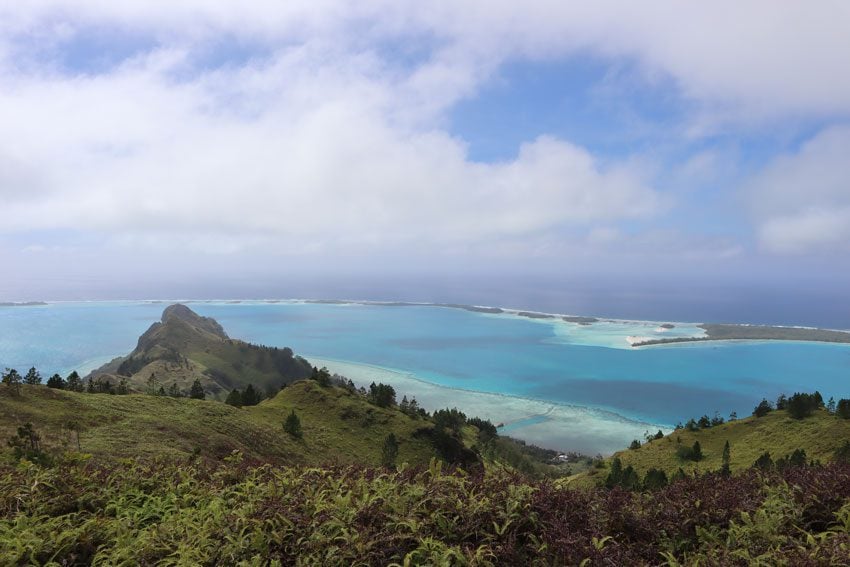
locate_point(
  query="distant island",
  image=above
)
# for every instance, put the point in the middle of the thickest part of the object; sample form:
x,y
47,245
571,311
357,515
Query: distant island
x,y
713,331
21,303
725,332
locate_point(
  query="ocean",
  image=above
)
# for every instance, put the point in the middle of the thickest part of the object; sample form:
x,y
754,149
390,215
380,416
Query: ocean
x,y
558,384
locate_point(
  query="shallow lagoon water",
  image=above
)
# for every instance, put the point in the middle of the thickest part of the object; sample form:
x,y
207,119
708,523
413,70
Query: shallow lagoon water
x,y
565,385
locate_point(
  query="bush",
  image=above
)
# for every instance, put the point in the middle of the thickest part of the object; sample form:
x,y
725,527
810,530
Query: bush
x,y
292,425
693,453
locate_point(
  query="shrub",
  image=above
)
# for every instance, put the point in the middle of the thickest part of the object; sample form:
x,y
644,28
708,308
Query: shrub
x,y
292,425
693,453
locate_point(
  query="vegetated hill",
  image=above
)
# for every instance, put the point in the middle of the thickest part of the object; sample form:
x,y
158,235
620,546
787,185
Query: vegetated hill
x,y
166,513
820,435
338,426
184,347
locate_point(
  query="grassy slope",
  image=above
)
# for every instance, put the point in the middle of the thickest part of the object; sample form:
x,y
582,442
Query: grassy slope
x,y
142,425
340,426
820,435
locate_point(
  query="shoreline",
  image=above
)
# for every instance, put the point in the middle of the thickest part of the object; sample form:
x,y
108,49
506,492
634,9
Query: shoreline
x,y
556,425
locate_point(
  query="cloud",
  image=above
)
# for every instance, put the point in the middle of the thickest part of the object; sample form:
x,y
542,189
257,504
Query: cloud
x,y
312,127
759,57
301,148
801,201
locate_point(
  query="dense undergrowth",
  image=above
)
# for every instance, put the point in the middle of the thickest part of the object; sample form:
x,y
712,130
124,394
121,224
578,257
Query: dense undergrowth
x,y
162,512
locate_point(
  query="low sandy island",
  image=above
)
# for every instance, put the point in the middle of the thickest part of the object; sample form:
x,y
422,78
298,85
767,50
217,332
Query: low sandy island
x,y
719,332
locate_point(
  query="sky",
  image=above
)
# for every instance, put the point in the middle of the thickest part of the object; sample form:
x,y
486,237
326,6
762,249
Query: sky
x,y
170,148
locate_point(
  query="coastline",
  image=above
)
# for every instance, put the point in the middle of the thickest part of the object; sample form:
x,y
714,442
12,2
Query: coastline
x,y
555,425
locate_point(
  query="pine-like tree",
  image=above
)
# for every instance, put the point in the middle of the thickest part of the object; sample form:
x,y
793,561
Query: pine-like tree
x,y
74,382
234,398
56,382
389,452
12,380
725,469
33,378
197,391
292,425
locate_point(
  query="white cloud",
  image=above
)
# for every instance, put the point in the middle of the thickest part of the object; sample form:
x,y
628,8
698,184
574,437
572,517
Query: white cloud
x,y
759,56
801,201
321,141
300,148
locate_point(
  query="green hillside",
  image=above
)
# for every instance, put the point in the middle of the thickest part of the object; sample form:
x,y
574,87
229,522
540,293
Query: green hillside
x,y
184,347
338,426
820,435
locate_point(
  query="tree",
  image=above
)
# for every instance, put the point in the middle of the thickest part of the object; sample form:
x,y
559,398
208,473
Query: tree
x,y
75,383
733,416
12,380
196,392
842,454
292,425
486,430
322,376
842,410
693,453
803,405
56,382
634,445
382,395
250,397
764,462
781,402
452,419
655,479
75,427
697,451
33,378
797,458
234,398
174,391
389,453
123,387
830,406
704,422
27,444
764,408
615,475
725,470
152,385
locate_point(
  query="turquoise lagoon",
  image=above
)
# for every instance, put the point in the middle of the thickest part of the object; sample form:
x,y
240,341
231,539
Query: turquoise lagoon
x,y
559,384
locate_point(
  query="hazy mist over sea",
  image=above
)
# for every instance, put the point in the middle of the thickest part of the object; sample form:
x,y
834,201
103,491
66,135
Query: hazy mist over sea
x,y
776,301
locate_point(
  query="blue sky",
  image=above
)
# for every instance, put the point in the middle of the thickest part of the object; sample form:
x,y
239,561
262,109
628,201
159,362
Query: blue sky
x,y
172,141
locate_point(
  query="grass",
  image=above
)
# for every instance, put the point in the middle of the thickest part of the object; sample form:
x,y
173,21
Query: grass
x,y
339,427
777,433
